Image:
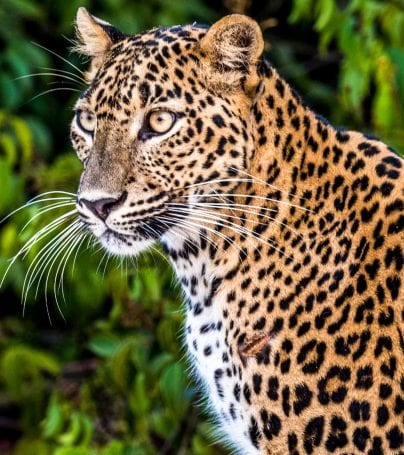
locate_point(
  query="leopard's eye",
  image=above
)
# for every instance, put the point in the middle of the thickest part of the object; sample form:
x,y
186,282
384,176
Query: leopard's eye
x,y
87,121
161,121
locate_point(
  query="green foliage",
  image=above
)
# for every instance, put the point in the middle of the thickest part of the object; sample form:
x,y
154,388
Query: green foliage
x,y
369,34
111,379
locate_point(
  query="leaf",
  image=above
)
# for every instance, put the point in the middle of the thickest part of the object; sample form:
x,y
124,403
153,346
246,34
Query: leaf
x,y
104,346
326,13
19,362
73,432
301,11
139,400
27,8
10,96
121,364
54,420
173,387
8,148
384,108
31,446
24,137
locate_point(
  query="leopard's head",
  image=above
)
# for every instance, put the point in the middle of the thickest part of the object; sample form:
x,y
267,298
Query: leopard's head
x,y
164,120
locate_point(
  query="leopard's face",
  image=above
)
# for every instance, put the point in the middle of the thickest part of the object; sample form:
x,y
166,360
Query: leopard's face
x,y
151,134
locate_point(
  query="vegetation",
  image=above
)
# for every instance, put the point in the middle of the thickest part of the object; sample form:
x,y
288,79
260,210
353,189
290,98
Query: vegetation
x,y
109,377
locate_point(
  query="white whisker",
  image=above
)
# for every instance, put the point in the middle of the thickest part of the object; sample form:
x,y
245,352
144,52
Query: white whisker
x,y
75,245
225,180
69,73
58,56
62,76
33,201
262,198
34,239
196,227
41,258
44,210
71,89
242,210
263,182
239,229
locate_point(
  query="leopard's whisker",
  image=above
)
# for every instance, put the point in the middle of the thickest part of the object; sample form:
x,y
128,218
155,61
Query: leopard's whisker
x,y
102,258
47,261
71,89
43,232
46,193
33,201
263,182
34,239
40,258
62,76
196,223
67,248
69,73
84,235
59,56
108,258
60,287
229,205
191,225
44,253
224,180
243,210
60,270
262,198
44,210
240,229
45,250
224,216
173,228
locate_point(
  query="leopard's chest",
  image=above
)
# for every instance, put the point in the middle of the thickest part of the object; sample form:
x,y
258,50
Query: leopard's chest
x,y
210,341
215,363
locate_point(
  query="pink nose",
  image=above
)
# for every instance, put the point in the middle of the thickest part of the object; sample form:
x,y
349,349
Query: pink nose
x,y
103,207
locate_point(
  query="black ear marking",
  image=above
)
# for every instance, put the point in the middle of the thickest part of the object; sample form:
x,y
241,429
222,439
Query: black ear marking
x,y
114,34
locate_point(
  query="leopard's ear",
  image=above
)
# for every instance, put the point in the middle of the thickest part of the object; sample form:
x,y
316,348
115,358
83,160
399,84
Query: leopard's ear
x,y
94,38
231,50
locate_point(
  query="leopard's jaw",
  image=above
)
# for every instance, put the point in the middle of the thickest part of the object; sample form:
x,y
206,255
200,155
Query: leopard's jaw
x,y
294,292
119,245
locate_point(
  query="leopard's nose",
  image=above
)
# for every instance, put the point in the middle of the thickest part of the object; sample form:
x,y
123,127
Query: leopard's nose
x,y
104,206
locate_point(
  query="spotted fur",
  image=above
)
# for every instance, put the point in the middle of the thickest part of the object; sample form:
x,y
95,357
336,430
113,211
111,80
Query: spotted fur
x,y
294,279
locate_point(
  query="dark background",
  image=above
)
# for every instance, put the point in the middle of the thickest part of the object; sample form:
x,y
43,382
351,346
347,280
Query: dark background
x,y
109,377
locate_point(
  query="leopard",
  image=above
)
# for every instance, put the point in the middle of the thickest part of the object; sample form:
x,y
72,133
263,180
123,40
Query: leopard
x,y
285,233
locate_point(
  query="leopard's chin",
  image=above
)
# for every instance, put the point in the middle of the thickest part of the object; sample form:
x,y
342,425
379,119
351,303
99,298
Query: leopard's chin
x,y
123,245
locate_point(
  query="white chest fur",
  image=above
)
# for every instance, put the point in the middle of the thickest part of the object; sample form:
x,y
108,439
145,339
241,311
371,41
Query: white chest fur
x,y
210,354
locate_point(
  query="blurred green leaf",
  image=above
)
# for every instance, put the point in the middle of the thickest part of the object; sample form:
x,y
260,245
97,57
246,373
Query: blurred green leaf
x,y
104,346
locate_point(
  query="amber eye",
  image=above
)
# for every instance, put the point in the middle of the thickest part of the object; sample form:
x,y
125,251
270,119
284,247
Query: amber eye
x,y
161,121
87,121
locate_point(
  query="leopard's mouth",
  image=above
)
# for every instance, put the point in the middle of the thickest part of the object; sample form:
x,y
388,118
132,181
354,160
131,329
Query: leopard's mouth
x,y
137,235
123,245
127,230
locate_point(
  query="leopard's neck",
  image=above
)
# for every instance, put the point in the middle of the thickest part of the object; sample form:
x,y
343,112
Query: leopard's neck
x,y
287,137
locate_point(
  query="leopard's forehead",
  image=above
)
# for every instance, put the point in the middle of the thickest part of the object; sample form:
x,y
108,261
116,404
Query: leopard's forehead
x,y
140,65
